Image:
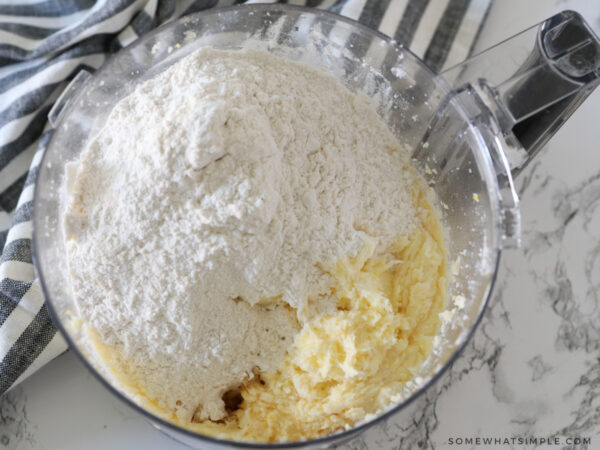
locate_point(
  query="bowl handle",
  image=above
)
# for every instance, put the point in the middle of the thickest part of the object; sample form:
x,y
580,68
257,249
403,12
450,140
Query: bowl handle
x,y
533,81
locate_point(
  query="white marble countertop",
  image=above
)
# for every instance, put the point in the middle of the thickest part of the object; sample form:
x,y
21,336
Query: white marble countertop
x,y
532,369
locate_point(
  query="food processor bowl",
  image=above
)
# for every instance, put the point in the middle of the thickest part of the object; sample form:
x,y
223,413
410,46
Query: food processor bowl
x,y
468,130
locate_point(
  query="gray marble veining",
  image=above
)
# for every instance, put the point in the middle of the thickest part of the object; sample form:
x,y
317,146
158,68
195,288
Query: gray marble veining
x,y
15,427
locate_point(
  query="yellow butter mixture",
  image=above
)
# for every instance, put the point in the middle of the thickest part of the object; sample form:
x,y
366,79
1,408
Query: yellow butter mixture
x,y
345,365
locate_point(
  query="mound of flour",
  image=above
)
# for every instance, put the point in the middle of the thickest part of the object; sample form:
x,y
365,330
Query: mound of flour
x,y
202,215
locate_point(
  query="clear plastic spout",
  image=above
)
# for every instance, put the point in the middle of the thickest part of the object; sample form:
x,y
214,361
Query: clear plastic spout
x,y
533,81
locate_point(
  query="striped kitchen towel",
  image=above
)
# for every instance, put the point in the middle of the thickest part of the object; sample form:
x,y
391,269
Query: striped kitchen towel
x,y
45,43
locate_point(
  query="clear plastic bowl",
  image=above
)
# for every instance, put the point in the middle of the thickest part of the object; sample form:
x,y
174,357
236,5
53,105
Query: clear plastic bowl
x,y
458,163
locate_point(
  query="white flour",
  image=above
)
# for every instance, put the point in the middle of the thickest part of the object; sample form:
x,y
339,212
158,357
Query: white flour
x,y
216,190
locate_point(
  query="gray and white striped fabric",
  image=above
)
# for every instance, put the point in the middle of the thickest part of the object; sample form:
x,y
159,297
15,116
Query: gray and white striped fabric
x,y
45,43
